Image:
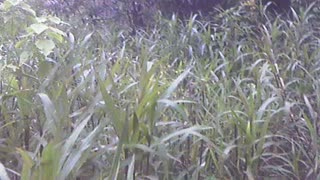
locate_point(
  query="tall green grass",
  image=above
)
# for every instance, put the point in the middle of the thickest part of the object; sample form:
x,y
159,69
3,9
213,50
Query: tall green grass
x,y
232,98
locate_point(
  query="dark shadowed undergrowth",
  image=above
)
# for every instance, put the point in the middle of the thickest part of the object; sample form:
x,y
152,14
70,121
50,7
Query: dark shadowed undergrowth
x,y
236,97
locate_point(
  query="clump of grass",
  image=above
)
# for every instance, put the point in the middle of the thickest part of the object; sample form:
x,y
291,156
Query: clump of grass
x,y
232,97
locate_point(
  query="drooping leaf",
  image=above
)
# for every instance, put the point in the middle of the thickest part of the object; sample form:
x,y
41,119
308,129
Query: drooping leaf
x,y
175,84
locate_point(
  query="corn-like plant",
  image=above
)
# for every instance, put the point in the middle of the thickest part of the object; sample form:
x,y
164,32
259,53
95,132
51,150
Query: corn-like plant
x,y
234,96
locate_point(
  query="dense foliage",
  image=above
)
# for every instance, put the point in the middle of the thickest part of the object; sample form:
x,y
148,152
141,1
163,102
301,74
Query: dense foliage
x,y
231,93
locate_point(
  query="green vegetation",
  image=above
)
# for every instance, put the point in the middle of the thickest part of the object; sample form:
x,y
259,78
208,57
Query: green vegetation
x,y
233,97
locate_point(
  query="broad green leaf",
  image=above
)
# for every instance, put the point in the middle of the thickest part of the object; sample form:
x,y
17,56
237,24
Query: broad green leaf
x,y
58,31
24,57
38,28
56,36
45,46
